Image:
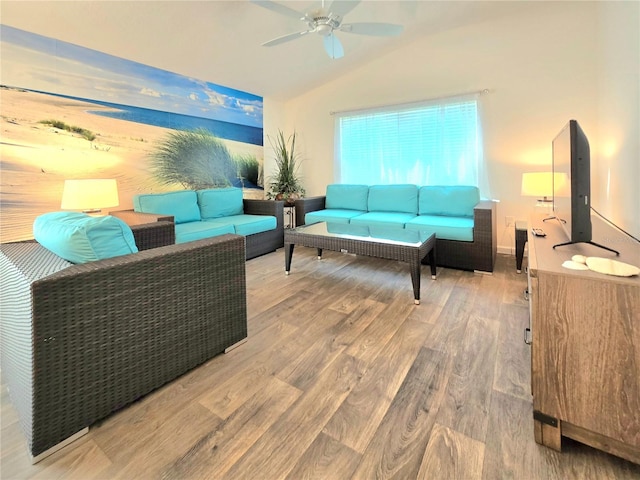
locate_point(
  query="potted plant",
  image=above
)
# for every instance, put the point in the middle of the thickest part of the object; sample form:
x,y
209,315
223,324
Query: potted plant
x,y
285,184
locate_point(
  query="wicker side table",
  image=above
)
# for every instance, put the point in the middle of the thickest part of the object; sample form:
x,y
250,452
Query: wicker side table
x,y
521,240
149,230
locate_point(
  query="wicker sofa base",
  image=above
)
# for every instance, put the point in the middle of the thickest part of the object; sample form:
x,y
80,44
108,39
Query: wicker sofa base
x,y
82,341
257,244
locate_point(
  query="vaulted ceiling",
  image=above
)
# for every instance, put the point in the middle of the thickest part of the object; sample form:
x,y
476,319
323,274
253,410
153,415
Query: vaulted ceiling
x,y
220,41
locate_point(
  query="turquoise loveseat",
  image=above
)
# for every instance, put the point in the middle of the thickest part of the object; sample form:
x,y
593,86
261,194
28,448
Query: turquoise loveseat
x,y
464,224
218,211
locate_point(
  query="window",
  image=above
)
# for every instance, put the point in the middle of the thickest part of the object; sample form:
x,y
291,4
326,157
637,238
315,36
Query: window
x,y
429,143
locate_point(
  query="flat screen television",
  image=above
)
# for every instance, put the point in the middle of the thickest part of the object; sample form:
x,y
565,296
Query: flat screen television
x,y
572,184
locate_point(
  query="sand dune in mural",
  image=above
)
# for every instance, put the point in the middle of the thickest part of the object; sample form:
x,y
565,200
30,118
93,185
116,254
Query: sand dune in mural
x,y
35,158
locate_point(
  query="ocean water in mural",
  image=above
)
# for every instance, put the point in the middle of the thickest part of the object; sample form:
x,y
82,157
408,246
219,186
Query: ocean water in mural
x,y
71,112
176,121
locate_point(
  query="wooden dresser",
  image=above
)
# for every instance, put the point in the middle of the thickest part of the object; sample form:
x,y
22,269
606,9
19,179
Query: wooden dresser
x,y
585,330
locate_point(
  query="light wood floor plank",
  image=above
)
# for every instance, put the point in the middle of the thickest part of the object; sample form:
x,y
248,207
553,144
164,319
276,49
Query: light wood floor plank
x,y
276,453
213,454
513,364
291,403
326,458
322,349
397,448
358,418
465,407
450,454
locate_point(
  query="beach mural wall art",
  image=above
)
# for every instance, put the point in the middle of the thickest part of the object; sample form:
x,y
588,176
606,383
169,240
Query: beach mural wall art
x,y
69,112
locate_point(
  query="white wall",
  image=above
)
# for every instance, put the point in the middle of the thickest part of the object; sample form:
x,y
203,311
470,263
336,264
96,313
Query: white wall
x,y
615,174
541,70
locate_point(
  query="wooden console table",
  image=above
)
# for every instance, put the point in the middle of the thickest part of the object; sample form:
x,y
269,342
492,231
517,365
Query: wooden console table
x,y
585,328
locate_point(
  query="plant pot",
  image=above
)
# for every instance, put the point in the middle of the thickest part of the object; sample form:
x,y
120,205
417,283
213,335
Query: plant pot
x,y
289,199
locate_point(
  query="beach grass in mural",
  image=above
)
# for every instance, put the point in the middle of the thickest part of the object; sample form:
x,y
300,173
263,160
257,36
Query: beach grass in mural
x,y
71,112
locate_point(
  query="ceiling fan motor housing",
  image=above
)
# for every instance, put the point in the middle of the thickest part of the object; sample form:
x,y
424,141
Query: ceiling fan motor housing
x,y
322,24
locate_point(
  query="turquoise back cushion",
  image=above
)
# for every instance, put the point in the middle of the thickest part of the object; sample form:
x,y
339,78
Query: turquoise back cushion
x,y
347,197
393,198
183,205
220,202
80,238
454,201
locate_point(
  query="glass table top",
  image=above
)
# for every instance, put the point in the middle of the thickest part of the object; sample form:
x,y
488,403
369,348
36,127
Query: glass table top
x,y
372,233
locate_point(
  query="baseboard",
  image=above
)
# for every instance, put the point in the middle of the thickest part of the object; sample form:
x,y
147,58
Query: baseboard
x,y
506,251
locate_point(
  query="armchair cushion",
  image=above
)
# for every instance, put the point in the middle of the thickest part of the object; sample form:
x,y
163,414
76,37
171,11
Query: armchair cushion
x,y
455,201
220,202
81,238
250,224
347,197
332,215
393,198
383,219
446,228
191,231
183,205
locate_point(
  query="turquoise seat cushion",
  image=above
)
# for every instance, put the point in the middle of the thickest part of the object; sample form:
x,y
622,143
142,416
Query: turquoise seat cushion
x,y
454,201
332,215
188,232
398,234
393,198
348,229
250,224
220,202
347,197
383,219
447,228
81,238
183,205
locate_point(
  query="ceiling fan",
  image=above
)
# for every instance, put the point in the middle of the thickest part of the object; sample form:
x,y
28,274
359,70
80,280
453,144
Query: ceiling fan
x,y
325,22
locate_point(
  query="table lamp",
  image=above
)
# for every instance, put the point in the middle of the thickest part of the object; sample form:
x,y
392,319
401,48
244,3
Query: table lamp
x,y
538,184
89,195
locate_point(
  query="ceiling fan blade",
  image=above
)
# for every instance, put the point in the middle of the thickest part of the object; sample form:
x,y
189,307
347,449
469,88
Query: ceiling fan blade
x,y
375,29
286,38
333,47
342,7
281,9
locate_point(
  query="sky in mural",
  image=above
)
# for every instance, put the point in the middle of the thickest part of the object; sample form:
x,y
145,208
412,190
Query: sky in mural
x,y
44,64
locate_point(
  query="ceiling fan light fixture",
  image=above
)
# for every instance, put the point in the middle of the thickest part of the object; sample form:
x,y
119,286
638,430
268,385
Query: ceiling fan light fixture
x,y
324,30
326,22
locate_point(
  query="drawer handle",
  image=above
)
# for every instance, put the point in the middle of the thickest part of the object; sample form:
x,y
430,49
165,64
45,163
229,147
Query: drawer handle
x,y
525,293
527,336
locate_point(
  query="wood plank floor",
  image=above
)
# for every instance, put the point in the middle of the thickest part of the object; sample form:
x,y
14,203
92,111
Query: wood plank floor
x,y
342,377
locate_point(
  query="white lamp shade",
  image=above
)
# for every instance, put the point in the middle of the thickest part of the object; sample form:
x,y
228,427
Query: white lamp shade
x,y
89,195
537,184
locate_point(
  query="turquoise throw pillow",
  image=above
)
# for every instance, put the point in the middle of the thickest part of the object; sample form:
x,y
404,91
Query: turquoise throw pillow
x,y
454,200
347,197
81,238
220,202
183,205
394,198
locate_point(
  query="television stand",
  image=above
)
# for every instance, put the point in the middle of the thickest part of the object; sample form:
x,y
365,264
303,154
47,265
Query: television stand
x,y
585,374
590,243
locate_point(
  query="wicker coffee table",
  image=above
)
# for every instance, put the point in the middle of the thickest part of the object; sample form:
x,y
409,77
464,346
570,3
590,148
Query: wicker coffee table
x,y
381,242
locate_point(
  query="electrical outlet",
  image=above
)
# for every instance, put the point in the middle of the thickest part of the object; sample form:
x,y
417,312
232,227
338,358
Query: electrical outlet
x,y
509,221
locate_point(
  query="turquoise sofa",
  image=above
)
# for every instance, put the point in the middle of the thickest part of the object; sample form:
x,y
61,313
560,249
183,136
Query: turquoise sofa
x,y
464,224
217,211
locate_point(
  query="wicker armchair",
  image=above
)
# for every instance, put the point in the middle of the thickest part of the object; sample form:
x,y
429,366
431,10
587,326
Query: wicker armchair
x,y
81,341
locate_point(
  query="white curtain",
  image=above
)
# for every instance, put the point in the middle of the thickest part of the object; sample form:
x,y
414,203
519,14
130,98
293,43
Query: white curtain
x,y
436,142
